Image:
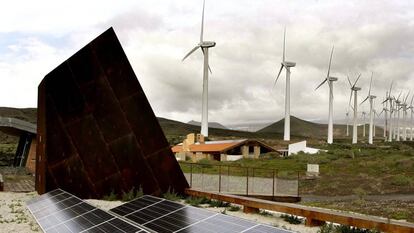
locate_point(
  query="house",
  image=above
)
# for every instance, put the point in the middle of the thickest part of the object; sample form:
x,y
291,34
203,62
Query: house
x,y
196,148
25,155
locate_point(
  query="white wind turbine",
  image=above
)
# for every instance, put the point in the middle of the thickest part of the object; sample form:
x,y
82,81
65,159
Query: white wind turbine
x,y
354,92
404,123
397,110
363,113
347,123
385,110
330,81
287,65
204,46
371,113
389,99
411,121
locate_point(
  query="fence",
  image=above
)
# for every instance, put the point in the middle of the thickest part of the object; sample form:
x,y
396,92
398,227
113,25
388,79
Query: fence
x,y
239,180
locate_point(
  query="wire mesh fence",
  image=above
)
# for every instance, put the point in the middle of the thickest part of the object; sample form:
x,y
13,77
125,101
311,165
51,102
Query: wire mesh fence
x,y
241,180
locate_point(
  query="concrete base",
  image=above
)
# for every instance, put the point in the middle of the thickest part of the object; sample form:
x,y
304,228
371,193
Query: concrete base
x,y
310,222
250,210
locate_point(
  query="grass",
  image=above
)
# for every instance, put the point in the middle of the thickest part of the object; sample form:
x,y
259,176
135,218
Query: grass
x,y
291,219
393,209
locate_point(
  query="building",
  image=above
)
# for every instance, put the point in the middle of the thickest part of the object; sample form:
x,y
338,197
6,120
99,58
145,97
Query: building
x,y
194,148
26,150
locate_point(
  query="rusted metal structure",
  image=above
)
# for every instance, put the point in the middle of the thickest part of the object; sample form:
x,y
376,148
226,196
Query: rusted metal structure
x,y
314,216
97,133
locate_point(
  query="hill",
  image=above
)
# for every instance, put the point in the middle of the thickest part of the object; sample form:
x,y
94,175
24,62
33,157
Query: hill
x,y
303,128
210,124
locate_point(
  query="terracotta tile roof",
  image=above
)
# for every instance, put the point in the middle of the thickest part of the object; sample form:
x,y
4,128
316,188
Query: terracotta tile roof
x,y
210,146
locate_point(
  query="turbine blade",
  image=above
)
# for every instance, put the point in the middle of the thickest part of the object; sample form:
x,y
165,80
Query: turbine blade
x,y
284,45
202,22
370,83
330,61
202,50
389,93
349,81
350,98
364,100
399,96
192,51
324,81
406,97
412,98
278,75
359,76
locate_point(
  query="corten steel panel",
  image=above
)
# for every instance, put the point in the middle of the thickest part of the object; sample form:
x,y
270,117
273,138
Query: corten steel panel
x,y
97,132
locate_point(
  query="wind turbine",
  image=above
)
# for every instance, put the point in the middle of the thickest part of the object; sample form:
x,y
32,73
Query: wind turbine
x,y
204,46
347,123
371,113
397,109
385,110
287,65
411,122
363,123
404,123
390,123
354,92
330,81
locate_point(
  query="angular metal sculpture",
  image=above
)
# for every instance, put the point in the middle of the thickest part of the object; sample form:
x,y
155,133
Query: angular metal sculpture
x,y
97,133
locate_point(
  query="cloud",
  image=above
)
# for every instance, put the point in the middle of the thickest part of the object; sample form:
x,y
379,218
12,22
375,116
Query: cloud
x,y
368,36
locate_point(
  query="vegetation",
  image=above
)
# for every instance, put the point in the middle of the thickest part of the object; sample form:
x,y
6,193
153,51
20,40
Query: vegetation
x,y
172,195
292,219
331,228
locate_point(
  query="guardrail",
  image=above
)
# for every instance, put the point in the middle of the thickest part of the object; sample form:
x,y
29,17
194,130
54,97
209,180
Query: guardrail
x,y
248,181
314,216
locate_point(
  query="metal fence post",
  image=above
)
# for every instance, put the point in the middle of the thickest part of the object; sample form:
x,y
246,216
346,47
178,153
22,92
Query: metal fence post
x,y
247,181
202,177
273,187
191,175
298,183
219,178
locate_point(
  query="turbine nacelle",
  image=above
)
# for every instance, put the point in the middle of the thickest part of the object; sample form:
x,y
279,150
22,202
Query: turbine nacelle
x,y
207,44
372,97
356,88
332,79
288,64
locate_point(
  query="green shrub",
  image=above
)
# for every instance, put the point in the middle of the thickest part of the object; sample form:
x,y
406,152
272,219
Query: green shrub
x,y
171,195
218,203
291,219
233,208
111,197
401,180
197,201
331,228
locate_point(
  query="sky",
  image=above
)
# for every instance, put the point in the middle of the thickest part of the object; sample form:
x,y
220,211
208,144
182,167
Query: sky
x,y
369,36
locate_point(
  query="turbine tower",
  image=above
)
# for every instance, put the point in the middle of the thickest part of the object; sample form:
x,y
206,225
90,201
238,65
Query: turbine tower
x,y
354,92
347,123
397,109
371,112
385,110
411,121
287,65
330,81
204,46
363,123
404,123
390,123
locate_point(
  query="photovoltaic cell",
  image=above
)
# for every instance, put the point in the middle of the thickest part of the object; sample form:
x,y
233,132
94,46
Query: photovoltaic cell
x,y
161,215
59,211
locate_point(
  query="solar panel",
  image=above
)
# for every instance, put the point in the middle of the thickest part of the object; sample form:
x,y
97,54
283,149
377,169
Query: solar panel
x,y
161,215
59,211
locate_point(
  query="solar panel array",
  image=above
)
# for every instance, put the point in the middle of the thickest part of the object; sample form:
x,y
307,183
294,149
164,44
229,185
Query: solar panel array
x,y
59,211
161,215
